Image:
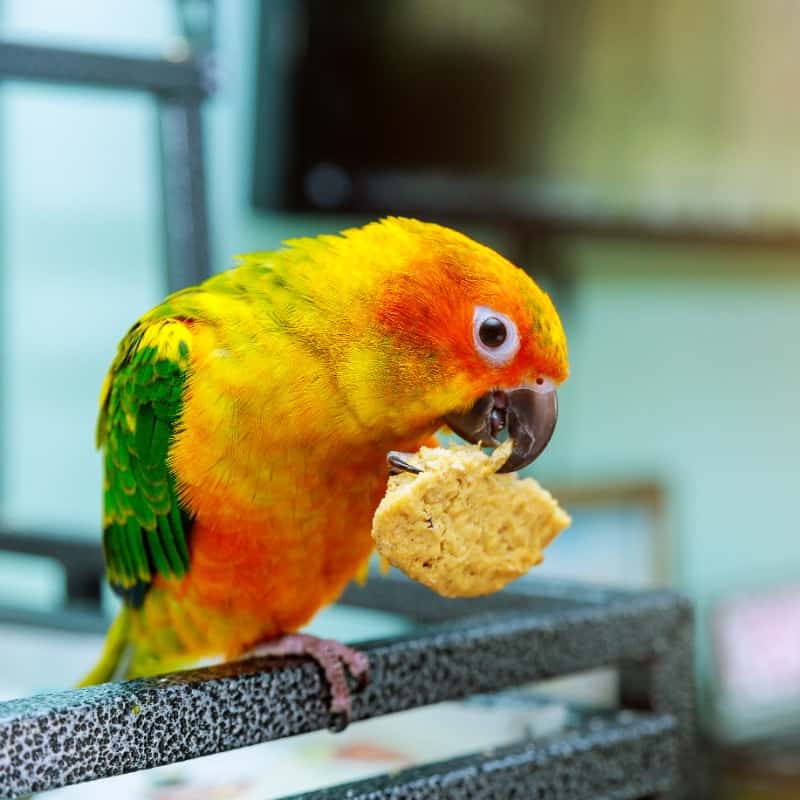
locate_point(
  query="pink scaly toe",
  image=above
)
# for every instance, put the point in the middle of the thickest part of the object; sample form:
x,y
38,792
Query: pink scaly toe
x,y
332,656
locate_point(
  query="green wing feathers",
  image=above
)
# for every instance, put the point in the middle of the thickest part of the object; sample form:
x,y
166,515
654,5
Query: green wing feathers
x,y
144,527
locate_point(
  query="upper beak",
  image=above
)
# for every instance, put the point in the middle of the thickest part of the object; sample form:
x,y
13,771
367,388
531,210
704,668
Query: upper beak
x,y
529,416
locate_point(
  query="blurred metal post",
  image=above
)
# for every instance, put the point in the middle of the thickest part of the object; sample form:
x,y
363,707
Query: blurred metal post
x,y
664,683
184,193
180,127
179,88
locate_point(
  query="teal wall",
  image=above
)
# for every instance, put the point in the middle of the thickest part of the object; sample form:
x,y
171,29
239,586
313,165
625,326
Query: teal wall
x,y
684,369
684,359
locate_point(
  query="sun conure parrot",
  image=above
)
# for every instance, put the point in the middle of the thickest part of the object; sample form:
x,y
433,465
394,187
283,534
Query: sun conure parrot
x,y
245,425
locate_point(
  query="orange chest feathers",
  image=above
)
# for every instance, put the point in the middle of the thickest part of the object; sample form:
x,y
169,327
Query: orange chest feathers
x,y
315,531
265,567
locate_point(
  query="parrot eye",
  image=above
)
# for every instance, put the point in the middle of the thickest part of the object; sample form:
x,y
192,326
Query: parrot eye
x,y
495,336
492,332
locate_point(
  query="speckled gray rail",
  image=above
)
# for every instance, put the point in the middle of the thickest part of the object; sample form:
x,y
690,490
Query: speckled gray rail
x,y
621,759
64,738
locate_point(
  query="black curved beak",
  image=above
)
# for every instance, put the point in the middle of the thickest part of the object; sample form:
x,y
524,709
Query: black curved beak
x,y
530,418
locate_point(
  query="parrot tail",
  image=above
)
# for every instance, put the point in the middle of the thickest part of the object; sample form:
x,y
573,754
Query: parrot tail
x,y
113,660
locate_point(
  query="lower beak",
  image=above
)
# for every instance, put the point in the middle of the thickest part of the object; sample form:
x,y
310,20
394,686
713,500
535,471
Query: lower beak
x,y
529,416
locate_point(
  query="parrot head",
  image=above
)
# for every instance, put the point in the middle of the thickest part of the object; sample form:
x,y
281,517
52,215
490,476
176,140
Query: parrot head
x,y
440,330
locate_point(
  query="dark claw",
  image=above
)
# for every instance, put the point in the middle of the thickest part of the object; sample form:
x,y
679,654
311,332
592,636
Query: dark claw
x,y
338,721
397,463
363,680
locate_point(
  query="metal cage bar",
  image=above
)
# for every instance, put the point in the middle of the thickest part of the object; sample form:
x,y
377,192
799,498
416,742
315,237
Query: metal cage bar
x,y
27,62
179,88
627,757
59,739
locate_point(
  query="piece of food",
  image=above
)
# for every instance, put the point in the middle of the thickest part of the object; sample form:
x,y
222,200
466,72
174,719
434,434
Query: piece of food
x,y
459,527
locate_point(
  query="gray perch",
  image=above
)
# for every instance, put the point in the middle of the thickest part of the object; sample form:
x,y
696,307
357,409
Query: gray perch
x,y
487,645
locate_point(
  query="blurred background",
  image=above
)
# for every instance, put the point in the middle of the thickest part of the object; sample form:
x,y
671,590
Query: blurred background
x,y
639,159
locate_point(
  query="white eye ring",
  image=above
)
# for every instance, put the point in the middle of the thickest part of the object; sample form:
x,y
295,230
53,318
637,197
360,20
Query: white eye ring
x,y
497,355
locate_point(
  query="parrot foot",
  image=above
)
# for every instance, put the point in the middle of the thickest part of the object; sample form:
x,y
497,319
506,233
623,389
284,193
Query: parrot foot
x,y
332,656
397,463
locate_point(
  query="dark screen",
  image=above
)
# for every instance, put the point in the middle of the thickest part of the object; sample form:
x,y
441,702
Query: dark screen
x,y
372,89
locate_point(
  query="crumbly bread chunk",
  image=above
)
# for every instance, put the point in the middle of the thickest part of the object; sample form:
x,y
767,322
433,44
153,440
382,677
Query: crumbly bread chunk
x,y
459,527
